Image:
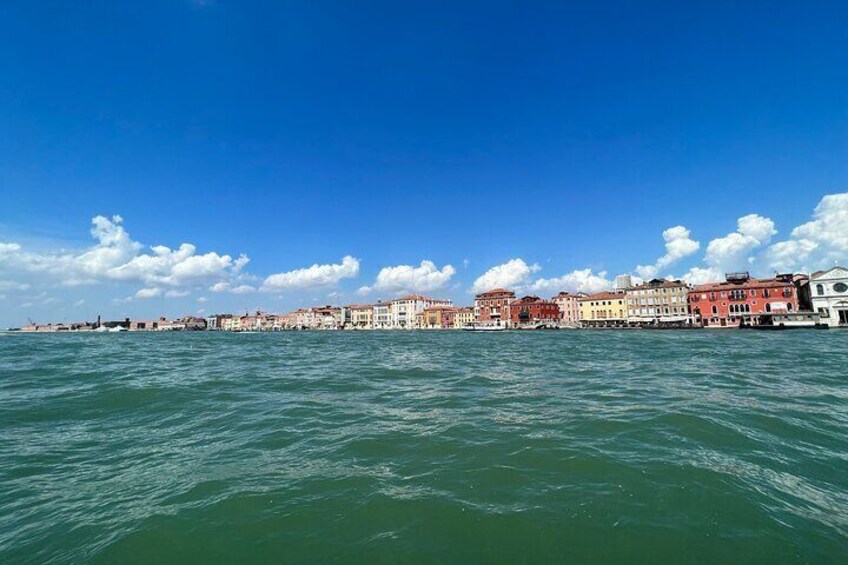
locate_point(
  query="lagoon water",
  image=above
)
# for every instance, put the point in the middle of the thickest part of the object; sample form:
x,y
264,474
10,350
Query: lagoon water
x,y
606,447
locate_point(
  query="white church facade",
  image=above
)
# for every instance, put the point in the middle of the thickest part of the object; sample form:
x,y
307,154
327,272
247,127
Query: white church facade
x,y
829,293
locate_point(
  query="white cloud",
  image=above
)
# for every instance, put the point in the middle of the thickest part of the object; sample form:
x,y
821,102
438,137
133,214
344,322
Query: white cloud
x,y
79,303
701,275
818,244
735,251
316,275
583,280
176,293
424,278
202,299
228,287
514,272
12,285
678,245
116,257
149,292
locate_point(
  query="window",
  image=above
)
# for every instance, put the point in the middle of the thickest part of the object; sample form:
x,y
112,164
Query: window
x,y
840,287
820,289
715,310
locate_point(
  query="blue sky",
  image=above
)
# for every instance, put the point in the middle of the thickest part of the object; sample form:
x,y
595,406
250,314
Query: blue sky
x,y
547,146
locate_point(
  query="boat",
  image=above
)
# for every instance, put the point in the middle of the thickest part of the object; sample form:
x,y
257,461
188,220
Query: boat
x,y
117,329
482,328
784,321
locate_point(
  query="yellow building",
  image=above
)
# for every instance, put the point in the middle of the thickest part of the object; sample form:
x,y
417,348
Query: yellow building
x,y
463,317
362,316
604,309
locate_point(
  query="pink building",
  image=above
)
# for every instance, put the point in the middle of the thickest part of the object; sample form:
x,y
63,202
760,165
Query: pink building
x,y
569,307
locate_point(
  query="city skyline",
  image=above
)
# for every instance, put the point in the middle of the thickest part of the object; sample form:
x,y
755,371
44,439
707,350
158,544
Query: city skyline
x,y
355,153
184,279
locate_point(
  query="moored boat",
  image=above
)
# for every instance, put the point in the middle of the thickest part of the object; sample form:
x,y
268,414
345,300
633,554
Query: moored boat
x,y
483,328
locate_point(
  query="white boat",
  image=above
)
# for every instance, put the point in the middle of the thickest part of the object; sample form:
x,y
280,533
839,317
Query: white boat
x,y
117,329
482,328
101,329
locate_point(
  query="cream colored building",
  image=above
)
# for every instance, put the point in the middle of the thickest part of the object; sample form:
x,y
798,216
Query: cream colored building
x,y
403,310
382,316
463,317
604,309
362,316
658,302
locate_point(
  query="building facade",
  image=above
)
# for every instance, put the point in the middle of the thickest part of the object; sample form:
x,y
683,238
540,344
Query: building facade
x,y
404,309
829,295
658,302
437,317
463,317
492,307
569,307
604,309
382,317
362,316
741,297
533,310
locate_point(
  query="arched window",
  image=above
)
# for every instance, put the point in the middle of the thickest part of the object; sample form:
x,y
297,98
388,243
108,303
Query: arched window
x,y
715,310
768,306
820,289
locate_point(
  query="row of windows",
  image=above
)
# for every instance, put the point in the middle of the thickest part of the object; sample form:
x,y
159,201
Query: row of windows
x,y
838,287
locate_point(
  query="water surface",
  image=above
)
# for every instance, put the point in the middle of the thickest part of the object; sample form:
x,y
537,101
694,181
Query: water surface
x,y
644,447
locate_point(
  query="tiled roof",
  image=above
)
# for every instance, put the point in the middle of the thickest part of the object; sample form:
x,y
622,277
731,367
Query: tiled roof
x,y
604,296
750,283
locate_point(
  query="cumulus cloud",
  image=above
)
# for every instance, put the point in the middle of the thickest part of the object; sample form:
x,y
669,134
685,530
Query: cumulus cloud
x,y
514,272
678,245
734,251
116,257
148,292
818,244
12,285
173,293
424,278
234,289
583,280
316,275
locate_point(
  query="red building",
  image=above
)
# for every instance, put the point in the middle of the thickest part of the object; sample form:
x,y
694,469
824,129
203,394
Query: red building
x,y
492,307
740,297
532,309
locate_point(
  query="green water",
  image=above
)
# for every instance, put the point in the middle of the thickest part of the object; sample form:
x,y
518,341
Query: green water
x,y
607,447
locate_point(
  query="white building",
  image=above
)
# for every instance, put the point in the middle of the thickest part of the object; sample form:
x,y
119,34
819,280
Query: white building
x,y
382,316
829,293
404,309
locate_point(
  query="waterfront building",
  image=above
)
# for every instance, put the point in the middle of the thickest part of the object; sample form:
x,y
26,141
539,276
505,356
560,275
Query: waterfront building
x,y
658,302
437,317
327,317
603,309
492,307
382,317
404,309
829,295
569,307
143,325
463,317
362,316
216,321
741,297
531,310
